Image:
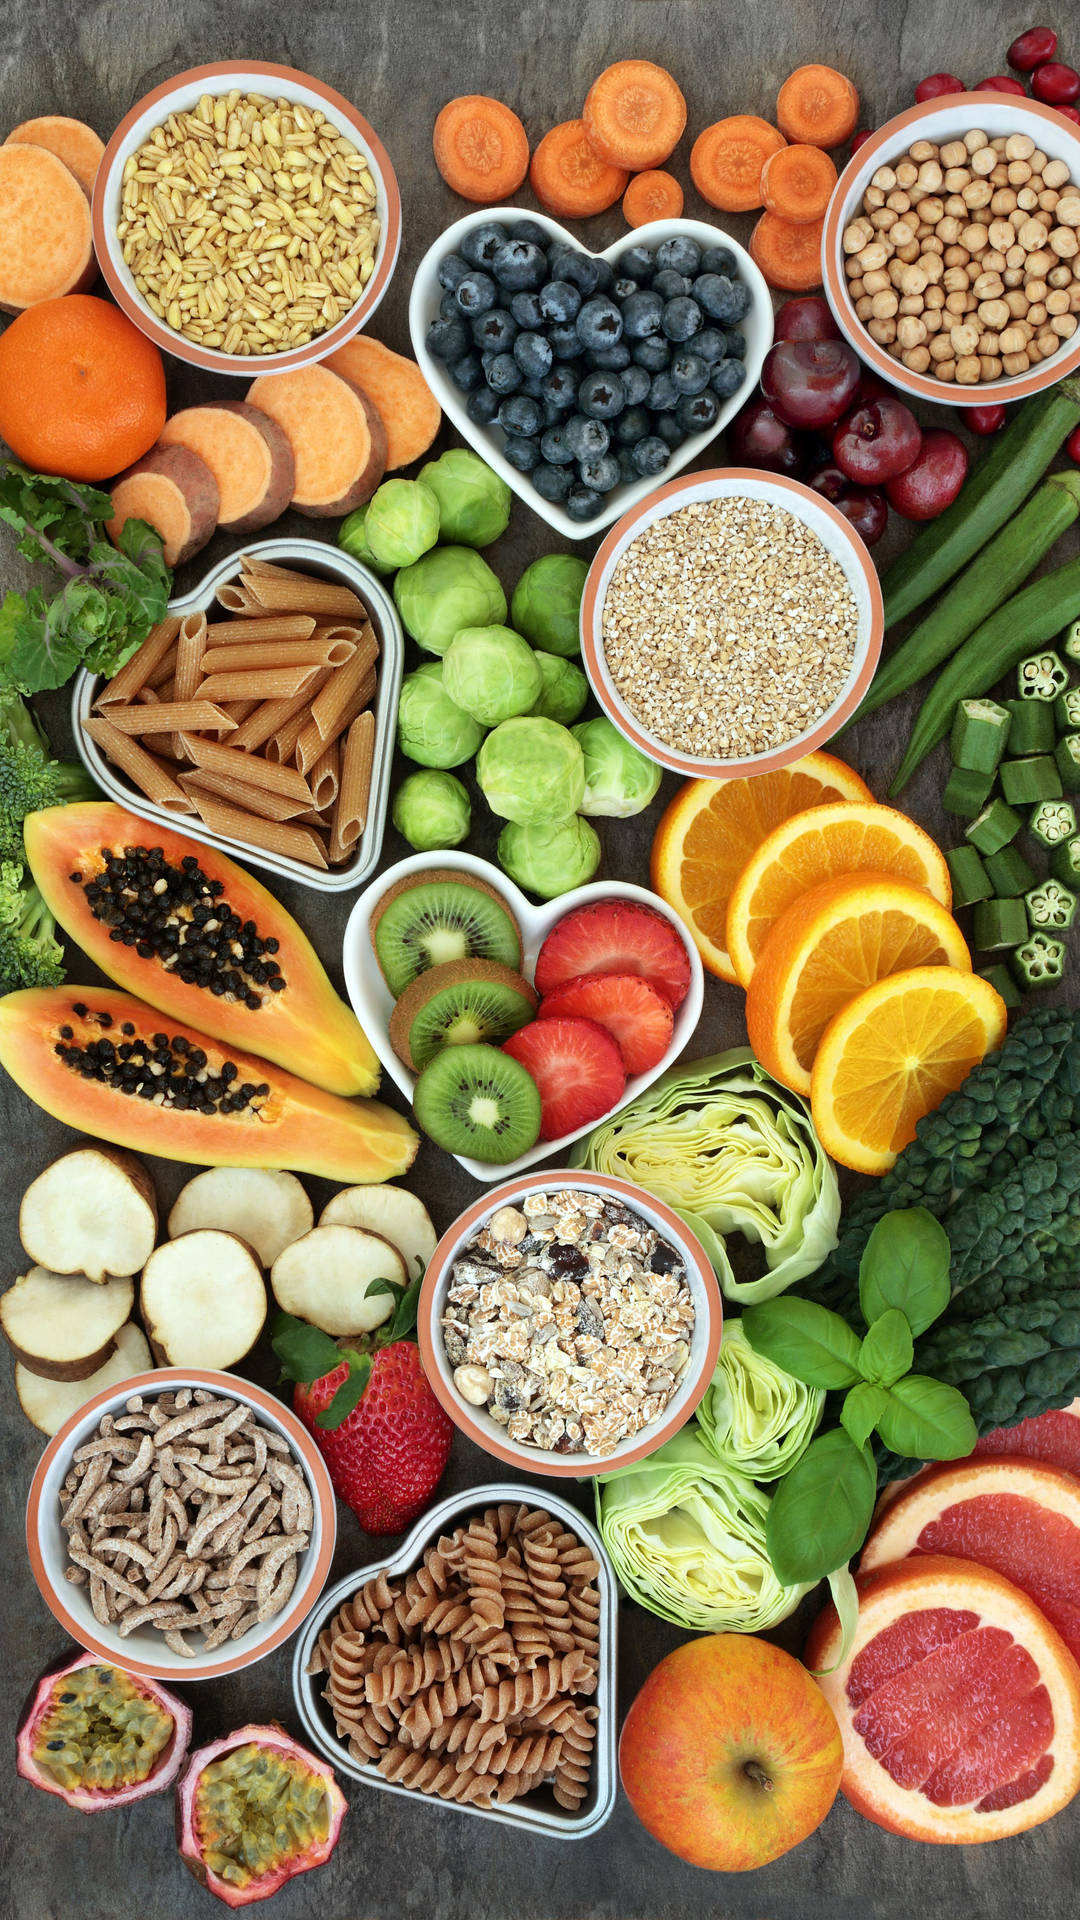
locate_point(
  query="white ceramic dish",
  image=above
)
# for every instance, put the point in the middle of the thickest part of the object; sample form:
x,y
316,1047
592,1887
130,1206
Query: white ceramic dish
x,y
325,563
182,93
940,120
373,1002
537,1813
424,308
145,1651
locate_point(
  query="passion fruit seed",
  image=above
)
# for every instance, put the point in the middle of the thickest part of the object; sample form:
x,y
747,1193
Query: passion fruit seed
x,y
99,1729
167,1072
255,1809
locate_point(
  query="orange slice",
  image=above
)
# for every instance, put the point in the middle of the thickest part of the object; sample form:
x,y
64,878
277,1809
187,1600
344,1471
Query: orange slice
x,y
846,837
893,1053
829,945
710,829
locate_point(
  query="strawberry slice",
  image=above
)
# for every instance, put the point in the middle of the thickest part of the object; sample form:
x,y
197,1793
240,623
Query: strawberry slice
x,y
577,1067
615,936
635,1014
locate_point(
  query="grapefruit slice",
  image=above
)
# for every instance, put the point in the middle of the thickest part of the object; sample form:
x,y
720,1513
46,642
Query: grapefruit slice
x,y
1053,1437
1018,1516
958,1704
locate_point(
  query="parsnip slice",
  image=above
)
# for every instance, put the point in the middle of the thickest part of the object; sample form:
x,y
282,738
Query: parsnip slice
x,y
324,1278
93,1211
48,1403
392,1211
203,1300
62,1325
268,1209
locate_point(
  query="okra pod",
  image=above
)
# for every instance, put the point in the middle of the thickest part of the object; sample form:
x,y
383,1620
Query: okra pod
x,y
1070,646
1000,924
1009,873
1025,782
1052,904
1003,983
968,875
1067,761
1042,676
1064,862
996,825
1052,822
1040,961
966,793
1033,726
980,731
1066,709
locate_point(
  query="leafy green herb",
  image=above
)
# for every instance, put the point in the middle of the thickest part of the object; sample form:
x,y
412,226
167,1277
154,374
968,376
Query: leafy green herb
x,y
815,1345
906,1265
888,1349
927,1419
402,1323
821,1510
861,1411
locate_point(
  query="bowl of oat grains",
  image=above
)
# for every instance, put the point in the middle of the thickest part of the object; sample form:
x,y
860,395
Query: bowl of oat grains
x,y
569,1323
731,623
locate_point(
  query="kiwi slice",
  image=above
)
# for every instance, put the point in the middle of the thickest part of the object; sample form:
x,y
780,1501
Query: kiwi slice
x,y
478,1101
457,1005
431,919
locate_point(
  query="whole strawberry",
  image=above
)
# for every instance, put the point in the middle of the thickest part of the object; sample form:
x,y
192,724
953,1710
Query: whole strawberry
x,y
378,1426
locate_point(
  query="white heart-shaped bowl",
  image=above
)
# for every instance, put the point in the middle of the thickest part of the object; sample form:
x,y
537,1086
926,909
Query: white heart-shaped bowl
x,y
757,324
373,1002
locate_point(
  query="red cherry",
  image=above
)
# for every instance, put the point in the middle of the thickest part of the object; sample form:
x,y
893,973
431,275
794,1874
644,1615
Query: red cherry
x,y
932,482
1000,83
1072,446
1070,113
937,84
860,139
1055,84
981,420
1030,49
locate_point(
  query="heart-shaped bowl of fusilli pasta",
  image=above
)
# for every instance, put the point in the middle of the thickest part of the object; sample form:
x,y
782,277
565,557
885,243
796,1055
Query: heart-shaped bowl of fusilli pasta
x,y
476,1665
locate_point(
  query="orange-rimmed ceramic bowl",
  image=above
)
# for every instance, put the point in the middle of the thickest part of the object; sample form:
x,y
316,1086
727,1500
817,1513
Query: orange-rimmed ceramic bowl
x,y
475,1422
182,93
144,1651
836,535
997,114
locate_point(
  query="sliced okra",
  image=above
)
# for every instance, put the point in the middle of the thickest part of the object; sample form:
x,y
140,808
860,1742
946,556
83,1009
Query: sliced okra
x,y
1067,761
1051,905
968,875
980,730
1009,873
995,826
966,792
1053,822
1025,782
1000,924
1066,712
1064,861
1033,729
1002,982
1042,676
1040,961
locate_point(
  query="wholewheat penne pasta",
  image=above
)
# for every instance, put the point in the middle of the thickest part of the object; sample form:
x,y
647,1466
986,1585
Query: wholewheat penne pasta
x,y
264,683
273,836
311,817
302,593
354,791
146,772
238,600
282,745
325,777
278,653
269,806
269,715
271,626
251,769
190,647
125,684
332,702
170,716
165,671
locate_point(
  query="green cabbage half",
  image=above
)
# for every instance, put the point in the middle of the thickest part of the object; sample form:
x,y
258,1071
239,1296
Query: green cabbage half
x,y
687,1540
755,1417
732,1152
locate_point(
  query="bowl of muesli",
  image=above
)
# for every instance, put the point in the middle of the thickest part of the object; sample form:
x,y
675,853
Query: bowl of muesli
x,y
569,1323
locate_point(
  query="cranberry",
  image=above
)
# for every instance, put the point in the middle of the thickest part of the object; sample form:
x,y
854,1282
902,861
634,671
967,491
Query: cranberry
x,y
988,419
1070,113
810,383
933,480
1000,83
866,508
1055,84
873,443
806,319
1030,49
1072,446
937,84
759,438
860,139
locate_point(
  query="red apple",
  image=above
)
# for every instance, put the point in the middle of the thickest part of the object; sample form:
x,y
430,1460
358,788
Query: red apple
x,y
730,1754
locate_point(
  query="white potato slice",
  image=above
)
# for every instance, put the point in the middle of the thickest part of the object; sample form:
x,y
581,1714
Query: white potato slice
x,y
324,1278
48,1403
266,1208
203,1300
93,1211
63,1325
392,1211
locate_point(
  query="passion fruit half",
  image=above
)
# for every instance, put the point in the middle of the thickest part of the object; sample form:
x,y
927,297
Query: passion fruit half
x,y
99,1737
252,1810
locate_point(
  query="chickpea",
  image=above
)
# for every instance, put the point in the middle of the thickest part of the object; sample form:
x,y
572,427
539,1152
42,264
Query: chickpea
x,y
902,233
921,150
884,178
1064,325
941,348
932,210
913,279
967,370
955,208
930,176
873,256
1057,302
1063,243
1059,276
978,194
1034,352
855,236
994,314
912,303
989,343
873,197
1035,290
1074,297
1027,200
987,287
883,331
1015,256
906,174
983,162
960,303
975,239
1019,146
1036,314
1013,341
934,299
964,339
933,319
953,154
949,229
1019,173
1032,236
1040,262
1014,363
1013,277
884,305
876,281
864,307
1068,209
1003,201
1047,341
998,143
898,201
932,249
1055,173
956,179
1048,201
955,280
910,331
989,367
1001,235
1017,302
1000,176
974,138
916,359
910,252
945,370
883,218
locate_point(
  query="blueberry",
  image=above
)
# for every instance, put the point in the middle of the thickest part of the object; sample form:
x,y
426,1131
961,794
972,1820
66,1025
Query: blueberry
x,y
533,386
628,473
502,373
560,301
727,377
697,412
494,331
564,342
623,287
482,406
580,269
533,354
467,372
671,285
608,359
447,339
552,483
715,295
681,253
736,343
605,276
555,447
480,245
663,396
582,503
527,311
689,373
523,453
653,353
637,263
669,431
650,455
518,264
632,424
719,260
532,231
742,299
600,474
477,293
520,414
587,439
554,415
636,382
599,323
452,269
601,396
448,307
642,314
560,386
682,318
710,345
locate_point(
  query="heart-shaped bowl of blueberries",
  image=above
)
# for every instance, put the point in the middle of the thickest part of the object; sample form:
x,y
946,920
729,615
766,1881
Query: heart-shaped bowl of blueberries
x,y
586,379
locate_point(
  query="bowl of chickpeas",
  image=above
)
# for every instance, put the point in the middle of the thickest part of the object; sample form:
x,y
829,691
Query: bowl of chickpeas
x,y
951,249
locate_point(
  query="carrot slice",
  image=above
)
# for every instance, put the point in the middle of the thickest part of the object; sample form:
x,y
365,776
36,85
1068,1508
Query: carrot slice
x,y
634,115
797,183
817,107
727,159
652,196
481,148
72,141
788,252
568,176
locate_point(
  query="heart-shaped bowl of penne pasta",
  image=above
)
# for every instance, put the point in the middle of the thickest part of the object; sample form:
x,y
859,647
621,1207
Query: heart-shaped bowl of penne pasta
x,y
259,715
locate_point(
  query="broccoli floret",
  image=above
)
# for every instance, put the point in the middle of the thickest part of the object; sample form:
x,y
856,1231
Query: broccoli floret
x,y
30,953
29,779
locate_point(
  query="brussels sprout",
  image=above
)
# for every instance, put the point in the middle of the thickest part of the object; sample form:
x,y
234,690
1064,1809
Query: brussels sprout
x,y
546,606
492,673
563,691
531,771
402,522
448,589
352,536
474,503
432,810
550,860
619,780
430,728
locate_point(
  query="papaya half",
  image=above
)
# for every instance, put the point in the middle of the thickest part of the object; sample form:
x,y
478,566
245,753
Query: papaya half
x,y
185,928
99,1060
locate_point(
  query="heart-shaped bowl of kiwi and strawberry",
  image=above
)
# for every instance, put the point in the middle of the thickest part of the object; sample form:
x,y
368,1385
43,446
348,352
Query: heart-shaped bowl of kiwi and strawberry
x,y
511,1027
585,379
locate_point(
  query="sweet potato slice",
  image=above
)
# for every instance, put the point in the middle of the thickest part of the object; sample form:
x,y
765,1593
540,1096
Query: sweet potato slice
x,y
203,1300
392,1211
266,1208
399,393
248,454
72,141
337,437
92,1212
61,1325
174,490
47,249
324,1278
48,1403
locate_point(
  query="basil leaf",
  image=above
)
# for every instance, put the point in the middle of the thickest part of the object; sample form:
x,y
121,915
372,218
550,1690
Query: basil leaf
x,y
806,1340
927,1420
887,1350
350,1393
861,1411
906,1264
821,1510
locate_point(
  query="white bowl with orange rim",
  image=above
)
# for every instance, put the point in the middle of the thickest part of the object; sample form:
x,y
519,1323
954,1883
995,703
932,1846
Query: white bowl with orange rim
x,y
841,543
